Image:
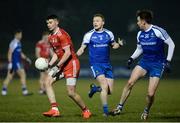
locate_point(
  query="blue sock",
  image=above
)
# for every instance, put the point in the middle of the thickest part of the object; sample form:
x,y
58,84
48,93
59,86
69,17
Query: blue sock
x,y
146,110
24,87
4,88
99,89
105,109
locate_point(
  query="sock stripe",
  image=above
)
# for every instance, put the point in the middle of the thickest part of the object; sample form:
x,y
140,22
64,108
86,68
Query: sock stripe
x,y
54,104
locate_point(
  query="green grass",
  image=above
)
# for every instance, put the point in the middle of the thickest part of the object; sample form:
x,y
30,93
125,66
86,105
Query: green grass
x,y
15,107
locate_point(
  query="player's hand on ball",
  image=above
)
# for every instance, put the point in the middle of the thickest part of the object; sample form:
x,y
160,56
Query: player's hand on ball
x,y
53,71
167,66
129,62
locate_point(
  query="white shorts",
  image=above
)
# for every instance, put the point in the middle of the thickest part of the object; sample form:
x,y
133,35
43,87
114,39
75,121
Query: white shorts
x,y
71,81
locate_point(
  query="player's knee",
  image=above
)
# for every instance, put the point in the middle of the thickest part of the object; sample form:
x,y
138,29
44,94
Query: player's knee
x,y
130,83
71,94
151,94
48,82
104,87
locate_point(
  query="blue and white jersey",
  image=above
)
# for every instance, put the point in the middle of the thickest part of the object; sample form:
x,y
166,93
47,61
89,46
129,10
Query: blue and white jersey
x,y
99,45
152,43
15,47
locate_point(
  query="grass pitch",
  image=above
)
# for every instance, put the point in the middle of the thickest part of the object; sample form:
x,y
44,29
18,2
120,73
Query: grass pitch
x,y
15,108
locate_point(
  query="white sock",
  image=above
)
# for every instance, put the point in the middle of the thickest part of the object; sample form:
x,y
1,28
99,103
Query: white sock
x,y
55,108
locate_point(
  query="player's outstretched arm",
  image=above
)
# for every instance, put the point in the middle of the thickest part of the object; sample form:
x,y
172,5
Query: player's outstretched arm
x,y
26,58
81,50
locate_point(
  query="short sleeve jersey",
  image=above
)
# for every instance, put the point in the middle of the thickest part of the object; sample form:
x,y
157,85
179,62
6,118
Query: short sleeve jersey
x,y
60,40
16,49
99,45
44,48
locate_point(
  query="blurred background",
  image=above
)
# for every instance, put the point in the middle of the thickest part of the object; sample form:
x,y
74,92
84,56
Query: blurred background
x,y
76,18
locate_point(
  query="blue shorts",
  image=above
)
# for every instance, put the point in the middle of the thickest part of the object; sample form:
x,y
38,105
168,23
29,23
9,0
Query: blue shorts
x,y
102,69
154,69
16,66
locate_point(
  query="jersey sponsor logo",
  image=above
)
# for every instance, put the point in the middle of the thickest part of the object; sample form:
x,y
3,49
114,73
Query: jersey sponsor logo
x,y
148,43
100,45
19,50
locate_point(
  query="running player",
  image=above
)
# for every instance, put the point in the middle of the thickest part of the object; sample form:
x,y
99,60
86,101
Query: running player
x,y
99,41
150,43
68,63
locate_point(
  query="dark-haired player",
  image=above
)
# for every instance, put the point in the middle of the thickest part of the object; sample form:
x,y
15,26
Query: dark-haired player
x,y
68,63
150,44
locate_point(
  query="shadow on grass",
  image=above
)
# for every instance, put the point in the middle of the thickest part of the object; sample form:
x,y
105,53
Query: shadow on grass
x,y
93,115
168,118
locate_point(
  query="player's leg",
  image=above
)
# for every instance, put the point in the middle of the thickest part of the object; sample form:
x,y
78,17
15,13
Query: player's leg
x,y
109,78
41,82
71,89
71,76
96,70
54,111
21,73
106,89
135,75
6,82
109,82
104,92
153,84
110,85
155,72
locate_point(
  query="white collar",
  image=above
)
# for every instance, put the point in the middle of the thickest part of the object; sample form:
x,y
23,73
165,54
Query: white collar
x,y
99,31
148,28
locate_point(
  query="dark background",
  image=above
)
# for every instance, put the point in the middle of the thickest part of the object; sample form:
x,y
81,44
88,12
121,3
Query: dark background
x,y
76,19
